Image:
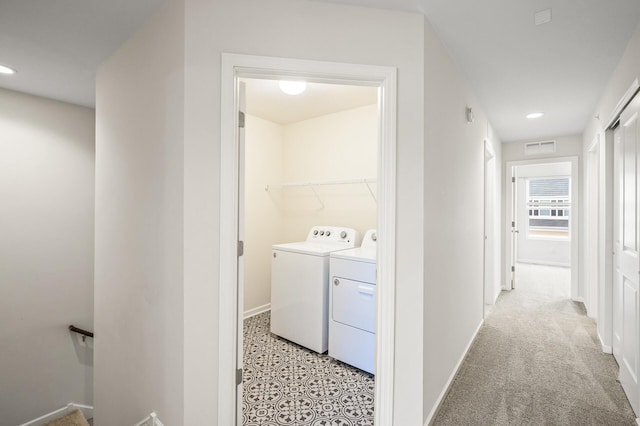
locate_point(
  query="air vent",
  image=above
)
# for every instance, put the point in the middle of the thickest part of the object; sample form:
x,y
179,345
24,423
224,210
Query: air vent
x,y
543,17
536,148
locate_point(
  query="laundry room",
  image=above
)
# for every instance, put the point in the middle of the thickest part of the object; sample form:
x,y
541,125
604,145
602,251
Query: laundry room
x,y
310,160
310,176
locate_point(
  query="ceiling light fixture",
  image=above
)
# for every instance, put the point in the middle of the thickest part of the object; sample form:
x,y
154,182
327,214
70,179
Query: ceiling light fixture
x,y
6,70
293,87
534,115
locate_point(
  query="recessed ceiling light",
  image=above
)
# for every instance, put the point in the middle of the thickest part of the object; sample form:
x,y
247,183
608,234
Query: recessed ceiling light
x,y
293,87
535,115
6,70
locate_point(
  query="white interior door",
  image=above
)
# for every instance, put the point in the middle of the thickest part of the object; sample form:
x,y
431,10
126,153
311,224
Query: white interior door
x,y
626,328
241,227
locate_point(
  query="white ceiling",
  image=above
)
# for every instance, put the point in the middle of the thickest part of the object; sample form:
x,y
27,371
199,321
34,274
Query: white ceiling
x,y
513,66
266,100
56,45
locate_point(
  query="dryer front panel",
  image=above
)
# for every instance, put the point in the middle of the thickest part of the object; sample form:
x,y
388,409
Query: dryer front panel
x,y
353,303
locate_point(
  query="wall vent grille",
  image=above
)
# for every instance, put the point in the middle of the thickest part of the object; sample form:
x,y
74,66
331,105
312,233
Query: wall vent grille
x,y
537,148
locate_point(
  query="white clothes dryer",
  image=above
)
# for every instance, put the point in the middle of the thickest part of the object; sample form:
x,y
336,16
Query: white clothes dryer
x,y
352,305
300,285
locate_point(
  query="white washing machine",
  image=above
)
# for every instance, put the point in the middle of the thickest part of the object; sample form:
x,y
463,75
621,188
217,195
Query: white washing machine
x,y
352,304
300,285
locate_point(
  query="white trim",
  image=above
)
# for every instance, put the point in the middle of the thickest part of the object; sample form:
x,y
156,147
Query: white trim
x,y
626,98
385,78
488,149
87,412
489,155
638,422
447,386
256,311
605,348
591,227
594,144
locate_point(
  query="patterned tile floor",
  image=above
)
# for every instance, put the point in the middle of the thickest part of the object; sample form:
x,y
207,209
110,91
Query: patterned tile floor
x,y
286,384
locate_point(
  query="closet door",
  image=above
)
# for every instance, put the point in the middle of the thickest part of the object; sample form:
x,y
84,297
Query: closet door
x,y
627,255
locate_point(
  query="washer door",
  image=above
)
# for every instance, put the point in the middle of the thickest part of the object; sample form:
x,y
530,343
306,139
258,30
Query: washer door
x,y
354,303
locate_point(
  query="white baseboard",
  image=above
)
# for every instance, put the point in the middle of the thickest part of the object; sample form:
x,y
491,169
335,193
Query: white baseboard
x,y
605,348
86,410
445,390
255,311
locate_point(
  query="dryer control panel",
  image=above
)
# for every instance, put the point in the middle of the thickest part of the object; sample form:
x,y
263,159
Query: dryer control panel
x,y
370,239
333,235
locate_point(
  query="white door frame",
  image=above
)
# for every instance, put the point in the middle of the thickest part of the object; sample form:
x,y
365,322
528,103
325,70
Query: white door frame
x,y
592,237
575,218
489,257
385,78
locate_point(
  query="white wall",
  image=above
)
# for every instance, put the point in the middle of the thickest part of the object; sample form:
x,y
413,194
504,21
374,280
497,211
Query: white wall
x,y
445,166
453,235
46,255
139,319
264,222
307,30
566,146
343,145
627,70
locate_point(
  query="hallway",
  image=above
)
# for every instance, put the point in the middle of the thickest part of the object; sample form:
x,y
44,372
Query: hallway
x,y
554,281
536,360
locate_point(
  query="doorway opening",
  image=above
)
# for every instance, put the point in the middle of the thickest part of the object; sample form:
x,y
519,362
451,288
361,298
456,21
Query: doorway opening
x,y
310,165
543,250
233,216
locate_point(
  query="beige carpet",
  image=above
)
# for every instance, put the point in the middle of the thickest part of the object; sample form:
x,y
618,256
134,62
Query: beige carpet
x,y
551,280
74,418
536,361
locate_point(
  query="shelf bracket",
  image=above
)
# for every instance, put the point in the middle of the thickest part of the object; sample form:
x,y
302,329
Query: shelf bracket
x,y
317,196
375,200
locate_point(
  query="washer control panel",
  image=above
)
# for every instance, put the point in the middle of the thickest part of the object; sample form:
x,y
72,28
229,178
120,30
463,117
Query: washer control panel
x,y
333,235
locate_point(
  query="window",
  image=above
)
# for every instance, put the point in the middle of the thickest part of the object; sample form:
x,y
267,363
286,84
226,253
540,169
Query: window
x,y
549,206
